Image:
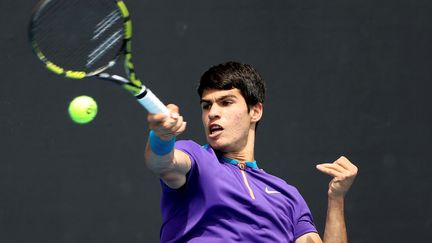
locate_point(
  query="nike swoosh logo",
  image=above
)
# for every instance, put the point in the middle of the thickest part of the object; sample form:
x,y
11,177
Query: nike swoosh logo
x,y
268,191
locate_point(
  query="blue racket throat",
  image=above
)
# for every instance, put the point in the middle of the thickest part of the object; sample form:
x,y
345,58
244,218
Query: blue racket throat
x,y
159,146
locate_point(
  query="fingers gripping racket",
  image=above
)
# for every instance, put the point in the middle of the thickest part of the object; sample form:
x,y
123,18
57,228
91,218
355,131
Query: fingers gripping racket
x,y
84,38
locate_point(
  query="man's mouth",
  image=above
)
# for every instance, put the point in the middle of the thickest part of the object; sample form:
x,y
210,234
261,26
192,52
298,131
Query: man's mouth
x,y
215,129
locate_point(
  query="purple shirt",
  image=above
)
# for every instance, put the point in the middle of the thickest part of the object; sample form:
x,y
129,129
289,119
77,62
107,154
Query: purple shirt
x,y
222,203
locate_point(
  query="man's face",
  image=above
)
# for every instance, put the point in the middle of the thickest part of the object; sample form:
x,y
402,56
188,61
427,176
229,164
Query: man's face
x,y
226,119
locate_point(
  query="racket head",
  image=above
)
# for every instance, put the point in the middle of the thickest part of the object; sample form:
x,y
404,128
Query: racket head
x,y
79,38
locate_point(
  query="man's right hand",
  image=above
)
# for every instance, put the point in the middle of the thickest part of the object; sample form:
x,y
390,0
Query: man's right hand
x,y
167,127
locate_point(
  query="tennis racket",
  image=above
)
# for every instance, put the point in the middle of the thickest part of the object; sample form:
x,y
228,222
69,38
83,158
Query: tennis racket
x,y
81,39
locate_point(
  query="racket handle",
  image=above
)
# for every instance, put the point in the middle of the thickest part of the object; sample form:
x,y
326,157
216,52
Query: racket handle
x,y
153,105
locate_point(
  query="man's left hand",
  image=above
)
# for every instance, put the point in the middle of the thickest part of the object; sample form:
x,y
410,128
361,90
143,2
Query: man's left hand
x,y
343,173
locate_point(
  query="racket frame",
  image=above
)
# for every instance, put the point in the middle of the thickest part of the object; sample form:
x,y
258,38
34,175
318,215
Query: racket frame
x,y
144,95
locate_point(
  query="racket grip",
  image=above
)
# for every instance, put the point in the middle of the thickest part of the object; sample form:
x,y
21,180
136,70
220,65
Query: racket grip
x,y
153,105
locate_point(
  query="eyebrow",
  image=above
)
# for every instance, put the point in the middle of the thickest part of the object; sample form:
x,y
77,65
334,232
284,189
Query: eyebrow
x,y
218,99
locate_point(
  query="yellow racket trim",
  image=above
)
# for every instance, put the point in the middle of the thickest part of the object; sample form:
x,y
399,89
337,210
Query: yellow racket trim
x,y
128,24
128,29
75,74
136,83
123,9
129,46
128,61
54,68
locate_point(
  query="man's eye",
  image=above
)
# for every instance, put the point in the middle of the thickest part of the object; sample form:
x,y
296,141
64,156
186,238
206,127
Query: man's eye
x,y
205,106
226,102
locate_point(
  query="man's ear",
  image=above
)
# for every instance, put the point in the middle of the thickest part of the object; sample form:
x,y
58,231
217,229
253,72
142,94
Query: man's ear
x,y
256,112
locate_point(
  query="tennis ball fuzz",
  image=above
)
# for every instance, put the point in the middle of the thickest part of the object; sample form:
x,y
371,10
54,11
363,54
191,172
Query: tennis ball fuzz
x,y
82,109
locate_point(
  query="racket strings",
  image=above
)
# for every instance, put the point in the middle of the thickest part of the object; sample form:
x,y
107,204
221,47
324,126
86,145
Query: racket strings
x,y
84,35
49,21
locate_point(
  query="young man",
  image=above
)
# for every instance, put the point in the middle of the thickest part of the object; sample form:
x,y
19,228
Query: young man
x,y
216,192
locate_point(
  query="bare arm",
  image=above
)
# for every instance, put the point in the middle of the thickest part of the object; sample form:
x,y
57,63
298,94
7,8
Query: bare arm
x,y
173,166
343,173
335,229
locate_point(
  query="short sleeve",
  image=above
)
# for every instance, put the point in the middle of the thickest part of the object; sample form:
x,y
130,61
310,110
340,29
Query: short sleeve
x,y
188,147
303,219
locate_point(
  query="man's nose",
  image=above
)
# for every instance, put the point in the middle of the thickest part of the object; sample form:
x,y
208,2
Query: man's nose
x,y
214,112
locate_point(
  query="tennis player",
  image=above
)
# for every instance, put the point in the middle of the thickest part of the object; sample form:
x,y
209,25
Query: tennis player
x,y
217,192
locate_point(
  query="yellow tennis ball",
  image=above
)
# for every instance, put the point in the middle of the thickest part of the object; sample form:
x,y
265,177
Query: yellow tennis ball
x,y
82,109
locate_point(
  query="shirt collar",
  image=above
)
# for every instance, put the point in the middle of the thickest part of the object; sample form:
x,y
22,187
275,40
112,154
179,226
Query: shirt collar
x,y
251,164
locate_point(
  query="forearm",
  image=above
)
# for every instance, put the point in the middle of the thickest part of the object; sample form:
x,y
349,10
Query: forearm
x,y
335,228
158,164
161,158
344,173
159,153
171,166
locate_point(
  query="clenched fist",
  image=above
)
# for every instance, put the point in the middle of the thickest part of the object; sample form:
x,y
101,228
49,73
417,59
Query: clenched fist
x,y
167,127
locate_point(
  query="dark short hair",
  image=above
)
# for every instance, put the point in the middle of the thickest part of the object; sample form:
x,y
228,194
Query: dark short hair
x,y
232,75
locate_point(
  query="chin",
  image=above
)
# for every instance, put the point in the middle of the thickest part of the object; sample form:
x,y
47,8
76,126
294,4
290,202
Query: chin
x,y
219,146
215,145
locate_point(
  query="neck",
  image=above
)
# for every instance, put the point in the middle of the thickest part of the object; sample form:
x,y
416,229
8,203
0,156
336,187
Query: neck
x,y
244,153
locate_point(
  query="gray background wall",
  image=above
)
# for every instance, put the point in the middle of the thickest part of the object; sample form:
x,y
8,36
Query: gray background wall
x,y
344,78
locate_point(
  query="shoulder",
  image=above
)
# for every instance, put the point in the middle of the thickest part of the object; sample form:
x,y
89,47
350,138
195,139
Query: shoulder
x,y
193,149
186,144
190,145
